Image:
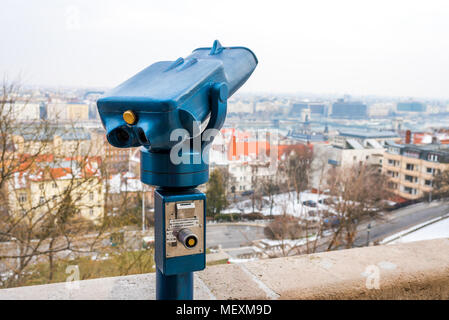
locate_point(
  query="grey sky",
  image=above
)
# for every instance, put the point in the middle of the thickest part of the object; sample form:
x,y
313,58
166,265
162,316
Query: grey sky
x,y
380,47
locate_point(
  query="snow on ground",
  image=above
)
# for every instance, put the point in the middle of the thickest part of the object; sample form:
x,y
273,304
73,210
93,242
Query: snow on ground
x,y
285,203
239,260
288,243
435,230
265,248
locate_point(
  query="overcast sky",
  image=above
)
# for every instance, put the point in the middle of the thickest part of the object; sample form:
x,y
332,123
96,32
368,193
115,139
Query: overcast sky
x,y
398,48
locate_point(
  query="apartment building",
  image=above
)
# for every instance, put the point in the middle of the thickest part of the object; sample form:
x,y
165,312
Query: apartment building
x,y
412,168
77,111
60,141
355,147
42,189
116,159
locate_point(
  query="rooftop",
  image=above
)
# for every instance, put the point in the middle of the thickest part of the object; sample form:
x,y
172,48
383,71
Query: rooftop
x,y
430,152
367,134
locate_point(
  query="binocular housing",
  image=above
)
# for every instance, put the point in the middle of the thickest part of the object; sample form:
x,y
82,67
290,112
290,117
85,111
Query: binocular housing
x,y
168,95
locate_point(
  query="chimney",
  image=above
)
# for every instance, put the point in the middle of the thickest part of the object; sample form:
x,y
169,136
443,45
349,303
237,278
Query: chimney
x,y
408,137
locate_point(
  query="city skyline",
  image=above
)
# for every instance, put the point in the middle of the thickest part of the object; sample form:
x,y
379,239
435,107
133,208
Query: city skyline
x,y
395,49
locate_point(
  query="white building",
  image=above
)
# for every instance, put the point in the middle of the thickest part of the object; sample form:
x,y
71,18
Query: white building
x,y
381,109
26,111
240,106
349,148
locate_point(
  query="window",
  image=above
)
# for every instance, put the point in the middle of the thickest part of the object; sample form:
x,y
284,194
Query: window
x,y
411,179
393,174
392,185
91,212
432,157
410,167
54,185
22,197
428,183
411,154
393,163
393,150
411,191
41,186
429,170
91,196
41,200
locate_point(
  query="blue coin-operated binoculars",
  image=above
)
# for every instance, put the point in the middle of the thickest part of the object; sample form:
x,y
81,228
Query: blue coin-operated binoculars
x,y
173,109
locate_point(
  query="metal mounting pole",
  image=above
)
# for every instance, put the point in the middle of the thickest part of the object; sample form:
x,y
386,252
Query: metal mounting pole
x,y
143,207
175,287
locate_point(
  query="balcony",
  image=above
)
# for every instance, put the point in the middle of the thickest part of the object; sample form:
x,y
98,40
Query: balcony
x,y
417,270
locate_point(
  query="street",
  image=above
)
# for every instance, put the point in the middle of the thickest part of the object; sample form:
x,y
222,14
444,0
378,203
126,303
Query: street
x,y
232,235
399,220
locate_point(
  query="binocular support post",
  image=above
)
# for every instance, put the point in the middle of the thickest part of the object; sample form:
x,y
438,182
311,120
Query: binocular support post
x,y
175,287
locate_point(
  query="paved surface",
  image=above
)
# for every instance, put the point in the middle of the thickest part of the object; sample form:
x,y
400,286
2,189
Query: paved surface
x,y
232,236
402,219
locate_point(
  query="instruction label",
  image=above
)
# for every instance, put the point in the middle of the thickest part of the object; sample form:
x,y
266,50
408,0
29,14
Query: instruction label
x,y
177,224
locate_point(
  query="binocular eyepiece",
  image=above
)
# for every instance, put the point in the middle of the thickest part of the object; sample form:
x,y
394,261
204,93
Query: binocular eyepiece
x,y
187,238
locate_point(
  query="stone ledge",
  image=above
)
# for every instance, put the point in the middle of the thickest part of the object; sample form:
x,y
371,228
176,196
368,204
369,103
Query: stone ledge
x,y
418,270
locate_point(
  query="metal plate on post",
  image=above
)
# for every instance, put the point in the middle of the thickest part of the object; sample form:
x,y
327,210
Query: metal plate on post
x,y
181,215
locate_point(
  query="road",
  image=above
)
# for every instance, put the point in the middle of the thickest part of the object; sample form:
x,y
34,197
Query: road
x,y
232,236
399,220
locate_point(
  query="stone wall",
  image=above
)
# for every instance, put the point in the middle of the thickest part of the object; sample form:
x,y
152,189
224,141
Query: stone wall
x,y
418,270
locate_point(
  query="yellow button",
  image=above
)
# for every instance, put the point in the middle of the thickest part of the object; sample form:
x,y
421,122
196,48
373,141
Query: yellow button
x,y
129,117
191,242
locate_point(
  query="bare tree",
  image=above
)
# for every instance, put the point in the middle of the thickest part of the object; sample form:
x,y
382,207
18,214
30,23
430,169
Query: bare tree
x,y
47,195
270,187
357,193
440,185
296,169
